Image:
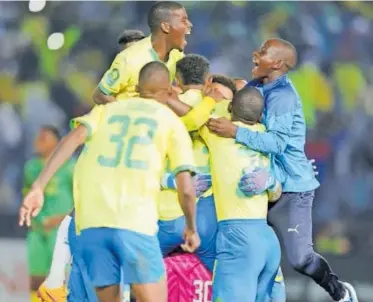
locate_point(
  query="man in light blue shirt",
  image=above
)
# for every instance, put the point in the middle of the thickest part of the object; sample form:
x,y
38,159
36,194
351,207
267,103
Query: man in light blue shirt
x,y
284,140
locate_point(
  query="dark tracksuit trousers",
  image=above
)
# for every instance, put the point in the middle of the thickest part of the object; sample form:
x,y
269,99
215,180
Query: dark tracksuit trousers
x,y
295,232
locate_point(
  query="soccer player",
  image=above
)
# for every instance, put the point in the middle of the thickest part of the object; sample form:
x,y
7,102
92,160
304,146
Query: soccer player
x,y
117,213
248,250
227,88
285,139
129,37
169,24
191,76
187,279
41,236
79,287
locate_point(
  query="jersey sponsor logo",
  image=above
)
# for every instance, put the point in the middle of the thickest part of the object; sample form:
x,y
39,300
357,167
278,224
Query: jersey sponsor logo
x,y
112,76
294,230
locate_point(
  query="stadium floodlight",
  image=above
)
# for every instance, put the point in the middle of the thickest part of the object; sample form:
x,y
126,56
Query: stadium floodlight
x,y
55,41
36,5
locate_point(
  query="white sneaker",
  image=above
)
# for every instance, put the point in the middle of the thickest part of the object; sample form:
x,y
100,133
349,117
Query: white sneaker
x,y
351,295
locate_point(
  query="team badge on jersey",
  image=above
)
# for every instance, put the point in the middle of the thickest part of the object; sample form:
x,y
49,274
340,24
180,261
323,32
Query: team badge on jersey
x,y
112,76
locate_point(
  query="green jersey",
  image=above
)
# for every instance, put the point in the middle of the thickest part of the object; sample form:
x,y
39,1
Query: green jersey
x,y
58,194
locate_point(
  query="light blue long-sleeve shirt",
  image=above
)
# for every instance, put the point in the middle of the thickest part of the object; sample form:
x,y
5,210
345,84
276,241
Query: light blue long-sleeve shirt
x,y
285,137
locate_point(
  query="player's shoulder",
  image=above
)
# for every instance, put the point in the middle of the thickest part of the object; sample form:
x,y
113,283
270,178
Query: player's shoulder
x,y
32,162
176,54
165,112
137,50
191,97
149,106
33,165
283,98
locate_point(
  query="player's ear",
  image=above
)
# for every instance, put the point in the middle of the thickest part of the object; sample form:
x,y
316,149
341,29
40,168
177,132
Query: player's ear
x,y
208,79
278,64
165,27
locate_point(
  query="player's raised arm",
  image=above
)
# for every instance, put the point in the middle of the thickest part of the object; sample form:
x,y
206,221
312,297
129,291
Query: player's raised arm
x,y
200,114
83,127
279,123
176,105
33,201
194,118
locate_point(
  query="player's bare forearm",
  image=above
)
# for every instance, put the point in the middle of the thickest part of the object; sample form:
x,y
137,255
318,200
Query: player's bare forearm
x,y
187,198
100,98
64,150
178,107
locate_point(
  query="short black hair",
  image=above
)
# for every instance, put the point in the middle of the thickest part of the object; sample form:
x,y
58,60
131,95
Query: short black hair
x,y
130,35
225,81
193,69
247,105
52,129
161,12
151,71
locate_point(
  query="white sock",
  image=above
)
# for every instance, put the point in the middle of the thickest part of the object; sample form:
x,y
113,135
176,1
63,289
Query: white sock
x,y
61,256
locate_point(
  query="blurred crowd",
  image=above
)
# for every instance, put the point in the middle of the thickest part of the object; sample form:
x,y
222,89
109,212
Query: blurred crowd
x,y
334,78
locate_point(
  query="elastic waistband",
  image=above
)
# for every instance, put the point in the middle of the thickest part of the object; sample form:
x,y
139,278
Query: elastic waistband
x,y
230,222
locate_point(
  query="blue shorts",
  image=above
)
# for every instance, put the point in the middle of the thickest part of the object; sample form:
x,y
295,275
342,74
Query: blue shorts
x,y
247,261
171,232
108,252
80,286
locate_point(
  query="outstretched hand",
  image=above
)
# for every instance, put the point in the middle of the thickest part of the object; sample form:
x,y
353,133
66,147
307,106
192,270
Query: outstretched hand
x,y
31,206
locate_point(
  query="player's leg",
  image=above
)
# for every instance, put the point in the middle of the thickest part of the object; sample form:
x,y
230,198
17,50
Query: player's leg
x,y
53,286
207,229
270,248
37,261
170,234
102,262
142,263
80,286
238,263
295,231
154,292
108,293
61,256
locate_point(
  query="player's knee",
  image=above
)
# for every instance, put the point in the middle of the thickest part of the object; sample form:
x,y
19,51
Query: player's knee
x,y
300,260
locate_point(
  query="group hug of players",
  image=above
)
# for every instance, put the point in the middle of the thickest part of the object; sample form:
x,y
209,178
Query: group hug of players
x,y
150,153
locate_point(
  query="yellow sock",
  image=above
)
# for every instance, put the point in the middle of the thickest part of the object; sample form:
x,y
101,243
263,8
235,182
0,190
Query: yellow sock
x,y
34,297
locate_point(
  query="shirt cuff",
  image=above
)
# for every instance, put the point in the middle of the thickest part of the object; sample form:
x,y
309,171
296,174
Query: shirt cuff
x,y
185,168
104,90
243,135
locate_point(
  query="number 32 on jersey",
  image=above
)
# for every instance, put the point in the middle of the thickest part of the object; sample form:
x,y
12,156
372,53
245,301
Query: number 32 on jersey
x,y
124,140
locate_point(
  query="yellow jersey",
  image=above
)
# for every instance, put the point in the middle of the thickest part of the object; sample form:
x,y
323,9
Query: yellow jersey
x,y
123,76
227,161
119,173
168,207
221,109
199,115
